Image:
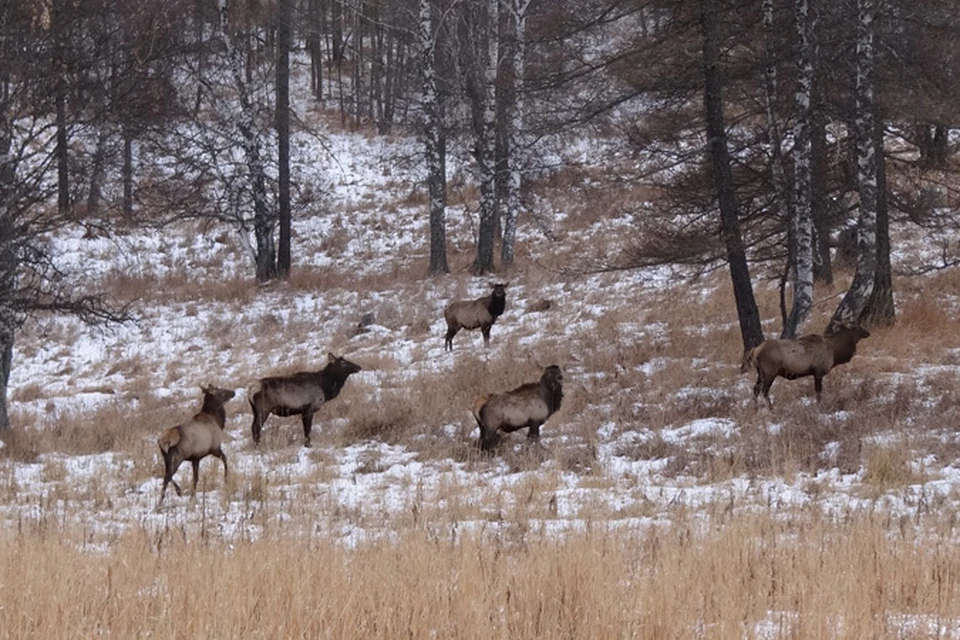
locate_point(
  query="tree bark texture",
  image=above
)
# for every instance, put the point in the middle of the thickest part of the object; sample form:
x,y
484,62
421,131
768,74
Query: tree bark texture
x,y
822,261
126,171
433,140
283,137
8,264
516,147
781,186
801,213
747,313
264,218
487,146
880,311
851,309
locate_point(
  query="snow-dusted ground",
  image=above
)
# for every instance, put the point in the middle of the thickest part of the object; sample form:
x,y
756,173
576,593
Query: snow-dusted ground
x,y
214,325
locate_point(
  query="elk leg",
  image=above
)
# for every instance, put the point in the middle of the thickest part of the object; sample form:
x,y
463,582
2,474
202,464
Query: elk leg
x,y
488,439
533,433
169,480
766,390
170,467
196,474
220,454
448,339
257,425
758,387
818,386
307,425
485,330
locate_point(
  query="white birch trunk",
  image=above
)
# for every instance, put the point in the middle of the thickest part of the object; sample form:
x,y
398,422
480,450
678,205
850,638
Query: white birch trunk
x,y
433,140
487,148
802,218
517,142
781,188
264,219
850,310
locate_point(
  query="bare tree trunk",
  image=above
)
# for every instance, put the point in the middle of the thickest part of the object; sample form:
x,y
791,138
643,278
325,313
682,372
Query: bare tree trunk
x,y
63,157
781,187
336,53
7,337
264,219
394,71
747,313
932,144
59,25
433,140
126,171
487,146
359,109
822,263
802,217
8,264
517,145
336,28
98,171
851,308
376,64
313,46
880,311
398,85
283,136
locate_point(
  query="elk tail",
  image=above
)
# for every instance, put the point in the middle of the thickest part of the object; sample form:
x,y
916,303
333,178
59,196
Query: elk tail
x,y
477,408
170,438
254,389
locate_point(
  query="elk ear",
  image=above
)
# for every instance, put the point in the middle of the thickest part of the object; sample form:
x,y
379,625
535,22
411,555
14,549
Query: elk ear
x,y
331,357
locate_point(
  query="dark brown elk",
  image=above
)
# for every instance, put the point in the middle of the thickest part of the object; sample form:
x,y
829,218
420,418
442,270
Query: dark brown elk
x,y
195,439
299,394
529,405
810,355
475,314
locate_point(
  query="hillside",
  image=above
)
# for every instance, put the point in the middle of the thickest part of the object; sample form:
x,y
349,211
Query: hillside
x,y
657,430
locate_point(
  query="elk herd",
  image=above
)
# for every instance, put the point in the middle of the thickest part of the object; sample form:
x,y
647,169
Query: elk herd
x,y
528,406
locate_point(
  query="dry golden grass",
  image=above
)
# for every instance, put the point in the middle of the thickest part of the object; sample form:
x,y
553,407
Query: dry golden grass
x,y
889,468
460,560
802,576
427,409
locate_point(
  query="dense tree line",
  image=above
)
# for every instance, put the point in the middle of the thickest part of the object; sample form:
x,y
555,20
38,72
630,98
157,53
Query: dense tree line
x,y
770,125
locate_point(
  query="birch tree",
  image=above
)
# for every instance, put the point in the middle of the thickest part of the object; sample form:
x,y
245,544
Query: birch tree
x,y
801,218
781,187
516,147
851,308
880,309
30,279
433,138
283,136
264,218
486,148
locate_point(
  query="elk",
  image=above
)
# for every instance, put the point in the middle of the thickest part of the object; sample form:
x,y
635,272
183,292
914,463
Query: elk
x,y
529,405
472,314
299,394
810,355
195,439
